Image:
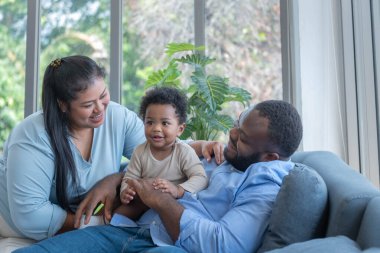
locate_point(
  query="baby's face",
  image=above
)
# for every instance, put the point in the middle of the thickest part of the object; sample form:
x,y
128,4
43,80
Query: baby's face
x,y
162,126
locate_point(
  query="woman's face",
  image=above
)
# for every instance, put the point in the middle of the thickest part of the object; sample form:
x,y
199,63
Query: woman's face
x,y
88,110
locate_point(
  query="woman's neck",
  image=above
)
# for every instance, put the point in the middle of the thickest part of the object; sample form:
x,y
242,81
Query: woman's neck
x,y
82,139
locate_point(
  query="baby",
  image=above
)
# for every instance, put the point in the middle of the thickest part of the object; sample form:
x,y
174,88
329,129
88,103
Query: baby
x,y
173,163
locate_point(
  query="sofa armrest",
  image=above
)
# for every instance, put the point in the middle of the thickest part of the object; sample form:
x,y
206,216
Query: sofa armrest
x,y
349,192
369,233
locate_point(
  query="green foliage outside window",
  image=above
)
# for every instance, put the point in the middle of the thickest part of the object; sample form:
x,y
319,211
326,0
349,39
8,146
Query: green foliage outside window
x,y
88,34
247,51
12,65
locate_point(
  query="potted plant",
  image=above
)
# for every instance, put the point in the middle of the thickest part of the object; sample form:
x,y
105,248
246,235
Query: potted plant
x,y
207,93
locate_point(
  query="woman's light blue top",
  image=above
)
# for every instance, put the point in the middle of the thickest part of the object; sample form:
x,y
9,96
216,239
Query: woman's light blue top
x,y
28,201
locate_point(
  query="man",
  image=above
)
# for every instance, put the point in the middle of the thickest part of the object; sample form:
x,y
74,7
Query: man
x,y
231,215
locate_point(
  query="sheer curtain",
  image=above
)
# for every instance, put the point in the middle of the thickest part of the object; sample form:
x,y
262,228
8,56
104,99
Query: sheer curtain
x,y
337,68
321,94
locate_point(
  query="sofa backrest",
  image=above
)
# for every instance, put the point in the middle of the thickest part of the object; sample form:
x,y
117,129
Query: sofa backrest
x,y
348,191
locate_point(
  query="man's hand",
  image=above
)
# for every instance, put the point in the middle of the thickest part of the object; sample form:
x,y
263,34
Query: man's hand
x,y
207,149
104,191
163,203
212,148
167,186
146,191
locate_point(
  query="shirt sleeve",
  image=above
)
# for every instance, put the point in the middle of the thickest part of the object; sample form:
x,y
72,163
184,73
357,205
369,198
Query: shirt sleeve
x,y
240,230
192,167
133,169
31,171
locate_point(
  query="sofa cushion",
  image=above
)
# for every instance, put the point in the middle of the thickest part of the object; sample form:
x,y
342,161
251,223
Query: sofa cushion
x,y
338,244
298,210
349,191
10,244
369,232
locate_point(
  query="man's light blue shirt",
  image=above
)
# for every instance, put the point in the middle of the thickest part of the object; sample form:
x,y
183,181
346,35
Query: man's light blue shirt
x,y
231,215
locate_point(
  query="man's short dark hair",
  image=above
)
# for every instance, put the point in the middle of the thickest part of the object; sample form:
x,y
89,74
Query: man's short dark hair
x,y
285,125
165,96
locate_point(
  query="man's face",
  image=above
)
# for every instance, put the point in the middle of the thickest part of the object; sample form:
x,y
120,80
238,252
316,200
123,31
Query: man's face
x,y
248,140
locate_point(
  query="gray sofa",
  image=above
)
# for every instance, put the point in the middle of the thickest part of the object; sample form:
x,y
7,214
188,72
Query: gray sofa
x,y
325,206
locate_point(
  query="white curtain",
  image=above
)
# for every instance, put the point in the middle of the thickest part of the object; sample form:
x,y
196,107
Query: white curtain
x,y
338,67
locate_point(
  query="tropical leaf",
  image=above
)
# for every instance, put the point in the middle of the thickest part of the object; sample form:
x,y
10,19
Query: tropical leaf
x,y
239,95
196,103
187,133
165,77
212,89
225,122
206,127
195,60
173,48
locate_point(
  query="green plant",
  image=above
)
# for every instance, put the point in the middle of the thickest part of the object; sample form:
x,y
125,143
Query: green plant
x,y
207,93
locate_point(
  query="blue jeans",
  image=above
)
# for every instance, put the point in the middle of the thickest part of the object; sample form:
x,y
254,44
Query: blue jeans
x,y
105,238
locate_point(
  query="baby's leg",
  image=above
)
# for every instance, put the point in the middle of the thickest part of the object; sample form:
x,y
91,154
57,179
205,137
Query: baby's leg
x,y
133,210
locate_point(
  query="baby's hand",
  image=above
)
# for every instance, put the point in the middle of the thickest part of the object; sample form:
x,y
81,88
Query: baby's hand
x,y
167,186
127,195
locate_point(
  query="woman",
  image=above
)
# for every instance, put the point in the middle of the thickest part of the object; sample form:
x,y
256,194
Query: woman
x,y
69,153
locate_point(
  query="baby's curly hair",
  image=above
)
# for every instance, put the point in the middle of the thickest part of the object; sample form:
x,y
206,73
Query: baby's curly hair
x,y
165,96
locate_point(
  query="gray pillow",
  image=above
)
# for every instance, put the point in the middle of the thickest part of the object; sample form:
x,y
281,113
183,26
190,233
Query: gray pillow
x,y
298,211
338,244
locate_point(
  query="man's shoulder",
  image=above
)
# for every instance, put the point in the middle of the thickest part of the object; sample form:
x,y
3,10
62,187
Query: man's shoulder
x,y
211,166
273,170
181,145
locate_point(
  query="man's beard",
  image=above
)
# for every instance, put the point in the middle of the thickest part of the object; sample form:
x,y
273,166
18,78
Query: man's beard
x,y
240,162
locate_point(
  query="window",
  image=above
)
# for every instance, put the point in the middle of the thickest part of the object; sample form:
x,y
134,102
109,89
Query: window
x,y
146,32
243,36
74,27
12,64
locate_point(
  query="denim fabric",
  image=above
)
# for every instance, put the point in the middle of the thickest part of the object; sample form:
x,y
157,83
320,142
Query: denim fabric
x,y
100,239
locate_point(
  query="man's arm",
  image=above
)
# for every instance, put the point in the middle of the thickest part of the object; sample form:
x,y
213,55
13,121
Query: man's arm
x,y
239,229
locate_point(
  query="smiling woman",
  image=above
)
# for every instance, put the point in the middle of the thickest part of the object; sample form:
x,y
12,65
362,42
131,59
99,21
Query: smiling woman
x,y
77,140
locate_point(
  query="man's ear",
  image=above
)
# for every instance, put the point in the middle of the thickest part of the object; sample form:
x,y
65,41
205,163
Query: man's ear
x,y
267,157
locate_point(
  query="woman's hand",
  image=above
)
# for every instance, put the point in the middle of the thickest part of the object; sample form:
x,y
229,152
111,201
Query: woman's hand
x,y
105,191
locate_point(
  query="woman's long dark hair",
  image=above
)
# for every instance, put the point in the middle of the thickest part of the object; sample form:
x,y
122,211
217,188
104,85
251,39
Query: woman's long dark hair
x,y
63,80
